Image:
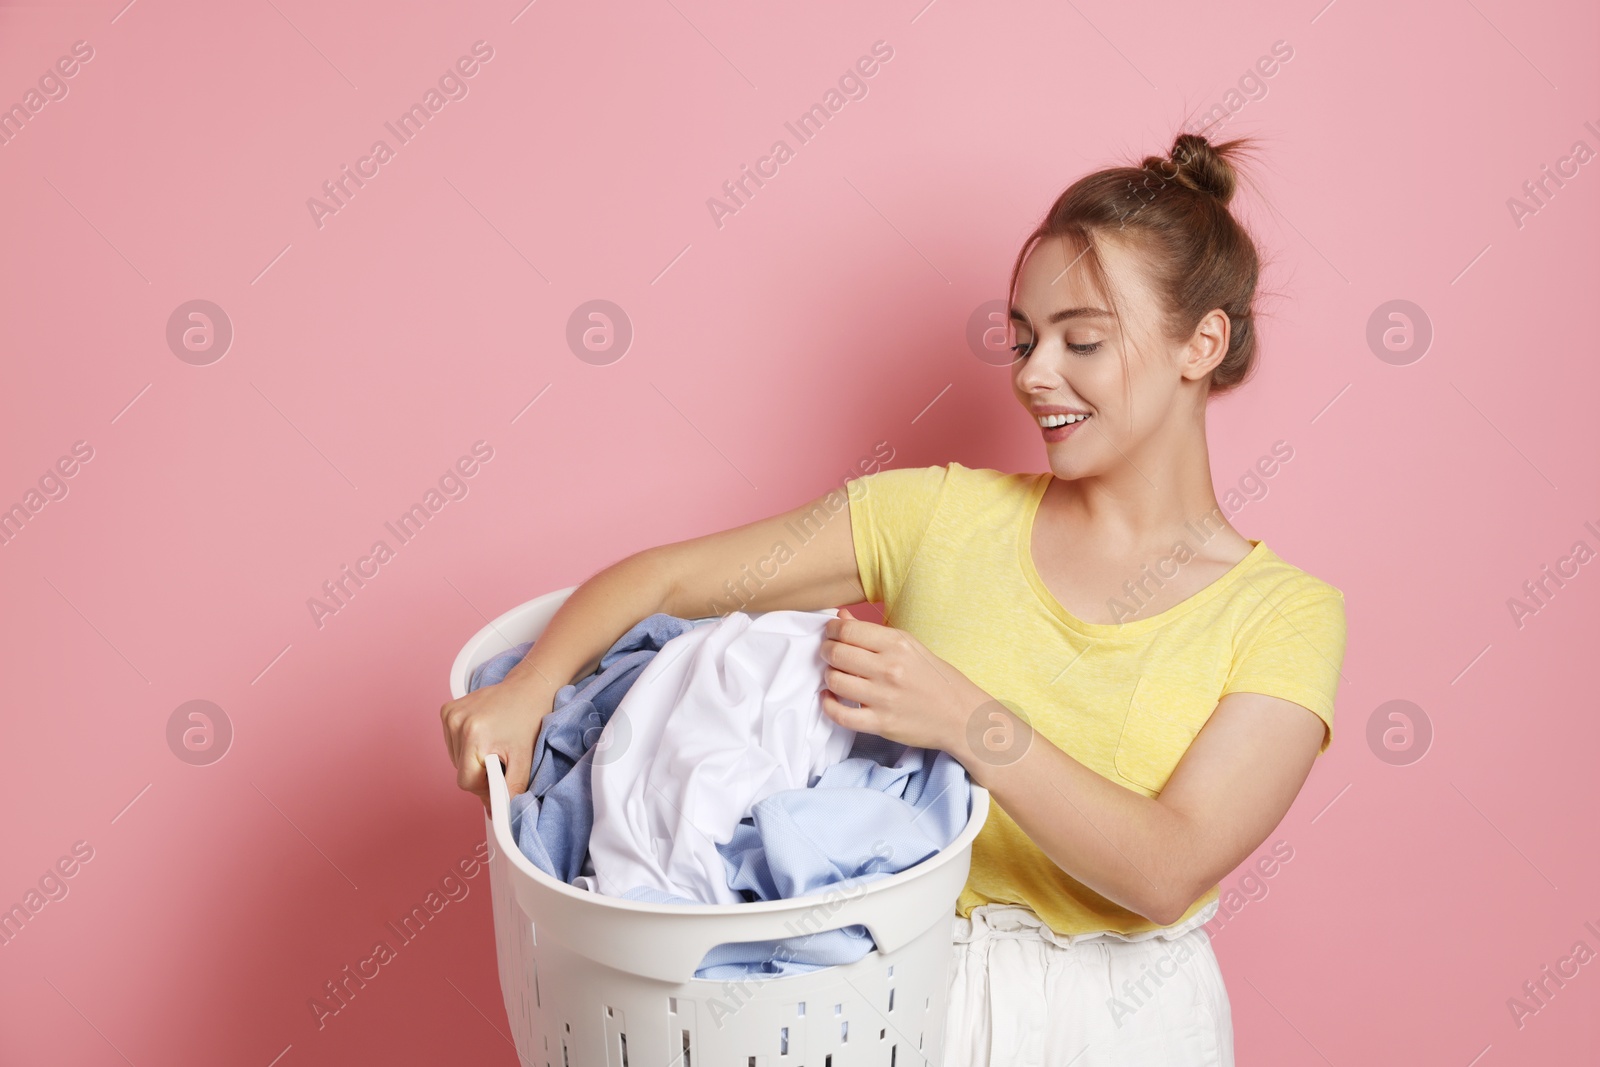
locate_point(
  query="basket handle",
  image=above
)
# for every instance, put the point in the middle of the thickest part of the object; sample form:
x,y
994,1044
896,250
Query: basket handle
x,y
499,792
677,948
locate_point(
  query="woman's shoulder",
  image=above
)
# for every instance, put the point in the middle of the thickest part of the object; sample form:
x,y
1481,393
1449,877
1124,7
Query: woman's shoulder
x,y
1290,583
955,476
987,479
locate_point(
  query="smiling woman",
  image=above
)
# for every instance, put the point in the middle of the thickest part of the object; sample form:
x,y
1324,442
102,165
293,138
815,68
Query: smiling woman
x,y
1162,719
1134,756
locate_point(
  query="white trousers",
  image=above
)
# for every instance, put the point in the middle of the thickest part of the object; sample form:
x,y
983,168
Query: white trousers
x,y
1022,995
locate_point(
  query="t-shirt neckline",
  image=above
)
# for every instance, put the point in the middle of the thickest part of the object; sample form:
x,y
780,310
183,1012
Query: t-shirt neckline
x,y
1258,551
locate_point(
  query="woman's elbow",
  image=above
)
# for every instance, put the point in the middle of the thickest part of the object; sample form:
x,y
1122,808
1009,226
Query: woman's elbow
x,y
1167,912
1166,908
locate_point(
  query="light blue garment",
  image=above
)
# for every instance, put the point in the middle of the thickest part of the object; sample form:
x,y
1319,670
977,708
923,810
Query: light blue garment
x,y
552,820
800,954
864,818
884,809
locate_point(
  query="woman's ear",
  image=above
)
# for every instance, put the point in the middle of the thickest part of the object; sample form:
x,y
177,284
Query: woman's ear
x,y
1208,345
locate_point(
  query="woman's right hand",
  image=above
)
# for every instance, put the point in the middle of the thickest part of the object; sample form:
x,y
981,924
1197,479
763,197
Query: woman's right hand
x,y
503,719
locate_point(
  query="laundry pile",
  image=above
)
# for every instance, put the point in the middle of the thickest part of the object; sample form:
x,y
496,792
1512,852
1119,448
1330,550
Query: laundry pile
x,y
695,765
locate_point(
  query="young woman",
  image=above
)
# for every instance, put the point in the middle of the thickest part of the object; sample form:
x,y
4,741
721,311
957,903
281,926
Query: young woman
x,y
1141,688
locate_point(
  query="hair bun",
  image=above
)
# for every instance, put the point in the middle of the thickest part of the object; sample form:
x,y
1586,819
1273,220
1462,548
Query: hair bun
x,y
1201,167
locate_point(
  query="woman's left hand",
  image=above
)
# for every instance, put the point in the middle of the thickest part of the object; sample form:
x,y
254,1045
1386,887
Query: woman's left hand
x,y
906,693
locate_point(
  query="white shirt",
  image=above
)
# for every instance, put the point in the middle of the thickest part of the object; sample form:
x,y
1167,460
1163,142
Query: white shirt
x,y
723,716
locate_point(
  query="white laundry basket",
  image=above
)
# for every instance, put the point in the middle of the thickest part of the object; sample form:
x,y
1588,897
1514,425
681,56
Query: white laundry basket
x,y
591,980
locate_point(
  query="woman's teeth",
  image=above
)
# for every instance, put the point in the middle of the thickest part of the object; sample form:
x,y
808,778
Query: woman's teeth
x,y
1050,422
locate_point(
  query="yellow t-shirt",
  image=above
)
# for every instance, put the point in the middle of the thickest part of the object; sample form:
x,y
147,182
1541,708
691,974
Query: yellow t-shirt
x,y
946,550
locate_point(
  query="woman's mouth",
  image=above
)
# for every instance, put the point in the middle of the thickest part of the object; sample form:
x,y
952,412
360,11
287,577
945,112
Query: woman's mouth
x,y
1060,427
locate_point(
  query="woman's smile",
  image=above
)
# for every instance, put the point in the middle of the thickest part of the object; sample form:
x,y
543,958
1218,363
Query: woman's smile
x,y
1060,425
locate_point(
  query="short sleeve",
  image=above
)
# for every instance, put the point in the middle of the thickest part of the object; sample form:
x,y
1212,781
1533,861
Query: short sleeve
x,y
1296,654
890,511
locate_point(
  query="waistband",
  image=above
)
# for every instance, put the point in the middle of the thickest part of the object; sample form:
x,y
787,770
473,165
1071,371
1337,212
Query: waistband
x,y
1018,921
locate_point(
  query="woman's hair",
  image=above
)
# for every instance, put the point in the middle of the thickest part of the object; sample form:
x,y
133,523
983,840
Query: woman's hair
x,y
1196,254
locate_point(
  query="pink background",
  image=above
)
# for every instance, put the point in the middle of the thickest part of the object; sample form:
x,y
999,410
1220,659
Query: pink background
x,y
769,355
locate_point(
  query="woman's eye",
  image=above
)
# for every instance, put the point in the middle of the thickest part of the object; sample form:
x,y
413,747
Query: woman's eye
x,y
1022,348
1084,350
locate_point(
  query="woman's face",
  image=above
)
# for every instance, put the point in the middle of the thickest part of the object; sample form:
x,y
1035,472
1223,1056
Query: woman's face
x,y
1071,352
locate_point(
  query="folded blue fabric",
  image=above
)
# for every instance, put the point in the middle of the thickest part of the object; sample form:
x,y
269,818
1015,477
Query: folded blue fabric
x,y
771,959
883,809
864,818
552,820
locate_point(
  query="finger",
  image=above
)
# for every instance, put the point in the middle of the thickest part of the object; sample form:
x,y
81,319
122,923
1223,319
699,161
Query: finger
x,y
859,719
851,659
449,742
860,632
471,774
848,686
517,771
449,734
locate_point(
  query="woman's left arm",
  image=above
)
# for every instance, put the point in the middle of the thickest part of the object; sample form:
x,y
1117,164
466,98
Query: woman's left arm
x,y
1153,856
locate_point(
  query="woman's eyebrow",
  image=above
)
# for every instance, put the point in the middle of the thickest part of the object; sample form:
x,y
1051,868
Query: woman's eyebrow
x,y
1065,313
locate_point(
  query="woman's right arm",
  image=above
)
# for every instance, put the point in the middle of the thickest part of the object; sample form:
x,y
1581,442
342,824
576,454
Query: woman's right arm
x,y
689,579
